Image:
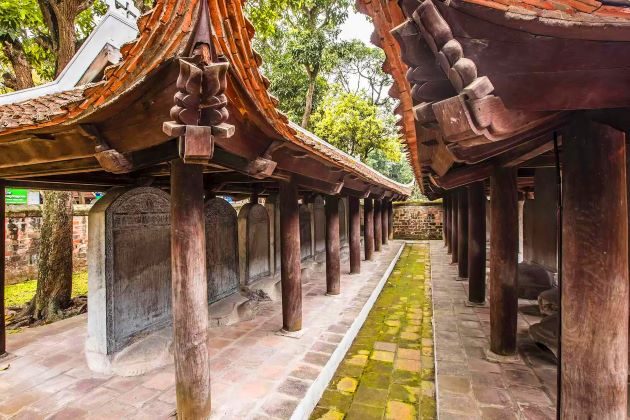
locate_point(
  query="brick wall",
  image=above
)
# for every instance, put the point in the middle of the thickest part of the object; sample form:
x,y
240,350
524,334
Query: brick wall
x,y
22,241
417,220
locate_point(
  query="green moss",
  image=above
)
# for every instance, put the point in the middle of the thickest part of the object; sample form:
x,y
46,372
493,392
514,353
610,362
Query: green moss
x,y
17,295
402,314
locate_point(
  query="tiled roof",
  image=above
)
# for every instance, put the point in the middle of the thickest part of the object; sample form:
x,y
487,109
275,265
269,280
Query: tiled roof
x,y
41,111
163,34
386,16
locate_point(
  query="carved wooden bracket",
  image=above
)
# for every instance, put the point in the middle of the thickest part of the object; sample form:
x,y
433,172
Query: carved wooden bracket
x,y
111,160
261,168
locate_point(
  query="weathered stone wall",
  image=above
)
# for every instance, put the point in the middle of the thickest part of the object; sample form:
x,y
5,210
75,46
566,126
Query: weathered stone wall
x,y
417,220
22,241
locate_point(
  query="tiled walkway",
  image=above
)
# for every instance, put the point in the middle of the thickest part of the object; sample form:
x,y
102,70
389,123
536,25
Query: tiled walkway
x,y
255,373
469,386
388,372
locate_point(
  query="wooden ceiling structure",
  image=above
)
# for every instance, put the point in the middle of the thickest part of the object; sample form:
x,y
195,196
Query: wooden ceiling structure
x,y
488,82
111,133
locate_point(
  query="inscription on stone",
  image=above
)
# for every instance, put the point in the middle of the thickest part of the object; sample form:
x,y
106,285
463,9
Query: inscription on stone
x,y
319,218
221,249
306,249
256,246
343,226
130,266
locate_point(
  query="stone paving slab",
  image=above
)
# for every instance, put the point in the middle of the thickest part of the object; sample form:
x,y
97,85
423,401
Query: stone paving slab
x,y
388,372
255,373
469,386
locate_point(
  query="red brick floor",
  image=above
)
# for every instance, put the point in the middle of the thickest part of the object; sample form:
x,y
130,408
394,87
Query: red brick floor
x,y
255,373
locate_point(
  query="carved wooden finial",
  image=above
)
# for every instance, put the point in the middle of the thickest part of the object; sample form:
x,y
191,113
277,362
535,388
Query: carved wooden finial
x,y
200,111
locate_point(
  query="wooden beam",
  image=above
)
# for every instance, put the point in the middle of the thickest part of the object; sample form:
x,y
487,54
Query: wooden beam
x,y
378,226
594,303
355,234
462,233
390,220
476,243
368,227
454,227
503,261
385,221
448,202
333,264
189,291
3,222
290,258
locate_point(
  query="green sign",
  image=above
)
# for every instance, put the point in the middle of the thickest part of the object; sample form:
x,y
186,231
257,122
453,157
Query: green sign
x,y
17,196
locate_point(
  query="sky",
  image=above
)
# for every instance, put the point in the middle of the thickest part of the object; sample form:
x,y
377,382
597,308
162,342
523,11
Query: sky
x,y
357,26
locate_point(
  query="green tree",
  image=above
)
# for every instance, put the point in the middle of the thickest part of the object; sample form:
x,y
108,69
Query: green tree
x,y
296,39
39,38
353,124
358,69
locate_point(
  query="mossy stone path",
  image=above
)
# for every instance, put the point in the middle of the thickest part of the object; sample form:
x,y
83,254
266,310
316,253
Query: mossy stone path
x,y
388,373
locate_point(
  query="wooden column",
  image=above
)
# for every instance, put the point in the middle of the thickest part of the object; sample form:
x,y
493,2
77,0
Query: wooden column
x,y
390,220
3,223
447,214
368,226
476,243
189,291
385,221
503,261
594,351
454,231
290,268
462,233
378,226
354,218
333,265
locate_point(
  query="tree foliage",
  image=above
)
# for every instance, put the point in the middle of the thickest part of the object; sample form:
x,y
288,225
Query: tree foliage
x,y
39,37
351,123
358,70
296,39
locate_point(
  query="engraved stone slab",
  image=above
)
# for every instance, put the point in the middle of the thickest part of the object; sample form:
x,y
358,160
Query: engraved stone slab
x,y
221,249
129,267
343,222
306,247
253,226
319,219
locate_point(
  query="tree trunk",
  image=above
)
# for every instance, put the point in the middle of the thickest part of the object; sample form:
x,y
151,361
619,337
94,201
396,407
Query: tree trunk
x,y
54,283
310,93
22,76
59,16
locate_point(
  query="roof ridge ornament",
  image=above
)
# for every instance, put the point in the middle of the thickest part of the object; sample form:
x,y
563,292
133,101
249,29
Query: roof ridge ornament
x,y
200,112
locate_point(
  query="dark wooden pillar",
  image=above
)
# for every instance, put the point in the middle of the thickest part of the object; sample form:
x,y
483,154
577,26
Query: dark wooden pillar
x,y
447,217
189,291
462,233
385,221
476,243
354,218
368,226
454,207
594,351
333,265
378,226
503,261
290,268
390,220
3,223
